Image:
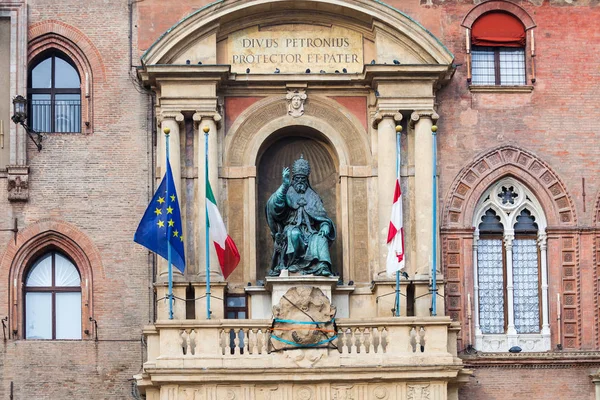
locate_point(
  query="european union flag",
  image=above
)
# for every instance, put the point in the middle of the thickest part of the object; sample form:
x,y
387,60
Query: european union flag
x,y
162,222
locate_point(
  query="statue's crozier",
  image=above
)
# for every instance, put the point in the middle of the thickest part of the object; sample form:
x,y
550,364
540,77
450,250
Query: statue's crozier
x,y
301,230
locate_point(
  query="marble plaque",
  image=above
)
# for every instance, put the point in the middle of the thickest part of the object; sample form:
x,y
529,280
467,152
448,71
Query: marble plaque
x,y
294,48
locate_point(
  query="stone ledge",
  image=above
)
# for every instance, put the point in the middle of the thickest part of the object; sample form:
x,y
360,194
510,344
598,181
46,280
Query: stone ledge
x,y
500,89
532,360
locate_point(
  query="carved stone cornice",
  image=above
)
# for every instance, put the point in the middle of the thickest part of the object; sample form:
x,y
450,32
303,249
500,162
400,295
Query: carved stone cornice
x,y
18,182
381,115
532,360
200,115
418,114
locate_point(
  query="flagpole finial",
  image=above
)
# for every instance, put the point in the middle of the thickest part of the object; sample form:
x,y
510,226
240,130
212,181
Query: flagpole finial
x,y
206,129
167,131
398,128
434,128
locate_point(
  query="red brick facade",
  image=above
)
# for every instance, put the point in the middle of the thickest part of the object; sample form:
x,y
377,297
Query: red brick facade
x,y
87,192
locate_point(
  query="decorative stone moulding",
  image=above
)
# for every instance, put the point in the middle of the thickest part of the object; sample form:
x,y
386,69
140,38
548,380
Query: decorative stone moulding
x,y
503,161
18,182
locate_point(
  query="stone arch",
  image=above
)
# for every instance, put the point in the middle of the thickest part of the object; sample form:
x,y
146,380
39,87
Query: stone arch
x,y
74,44
365,13
498,5
500,162
31,243
72,41
250,130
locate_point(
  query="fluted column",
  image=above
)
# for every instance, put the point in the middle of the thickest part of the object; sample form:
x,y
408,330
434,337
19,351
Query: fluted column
x,y
385,122
422,121
170,121
212,122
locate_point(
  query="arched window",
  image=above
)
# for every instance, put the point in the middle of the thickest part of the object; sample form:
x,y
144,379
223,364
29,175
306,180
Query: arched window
x,y
500,44
54,94
52,299
509,257
498,50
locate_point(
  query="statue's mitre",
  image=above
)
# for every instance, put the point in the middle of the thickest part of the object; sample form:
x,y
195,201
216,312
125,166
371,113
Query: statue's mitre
x,y
301,167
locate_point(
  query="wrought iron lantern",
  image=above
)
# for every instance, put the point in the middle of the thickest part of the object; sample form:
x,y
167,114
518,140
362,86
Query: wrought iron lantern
x,y
20,117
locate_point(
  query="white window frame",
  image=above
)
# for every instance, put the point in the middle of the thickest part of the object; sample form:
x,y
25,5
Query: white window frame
x,y
530,342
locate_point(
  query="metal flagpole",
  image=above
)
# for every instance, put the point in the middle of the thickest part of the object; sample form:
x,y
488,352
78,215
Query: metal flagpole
x,y
206,129
398,130
167,131
434,246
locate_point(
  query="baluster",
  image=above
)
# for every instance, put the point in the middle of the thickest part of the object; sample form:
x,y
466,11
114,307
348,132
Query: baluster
x,y
192,338
183,342
236,342
246,341
254,341
361,339
371,340
413,339
353,349
378,337
422,339
227,349
188,349
263,341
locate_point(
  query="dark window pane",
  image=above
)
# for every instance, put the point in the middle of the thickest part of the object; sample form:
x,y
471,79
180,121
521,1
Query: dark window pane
x,y
65,75
67,111
236,301
41,75
231,315
41,112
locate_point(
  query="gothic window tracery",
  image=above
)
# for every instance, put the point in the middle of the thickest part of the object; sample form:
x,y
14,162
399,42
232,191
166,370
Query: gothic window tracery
x,y
510,270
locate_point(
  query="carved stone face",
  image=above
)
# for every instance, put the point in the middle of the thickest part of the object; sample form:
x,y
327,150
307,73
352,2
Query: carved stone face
x,y
296,102
300,183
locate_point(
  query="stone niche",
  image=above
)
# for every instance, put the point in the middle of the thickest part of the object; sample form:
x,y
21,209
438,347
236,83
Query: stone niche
x,y
286,147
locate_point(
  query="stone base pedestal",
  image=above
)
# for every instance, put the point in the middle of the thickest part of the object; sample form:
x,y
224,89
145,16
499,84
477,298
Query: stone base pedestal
x,y
162,301
217,300
279,285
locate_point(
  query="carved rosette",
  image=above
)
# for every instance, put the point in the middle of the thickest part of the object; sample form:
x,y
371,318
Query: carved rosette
x,y
18,182
303,319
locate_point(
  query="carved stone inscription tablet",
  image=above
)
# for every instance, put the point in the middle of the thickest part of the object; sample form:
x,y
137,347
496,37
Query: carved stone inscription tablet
x,y
295,48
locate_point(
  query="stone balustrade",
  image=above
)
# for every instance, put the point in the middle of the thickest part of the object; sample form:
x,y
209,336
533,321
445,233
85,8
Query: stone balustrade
x,y
247,343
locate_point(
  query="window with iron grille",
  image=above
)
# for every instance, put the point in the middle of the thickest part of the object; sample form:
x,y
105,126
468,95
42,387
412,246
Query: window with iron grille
x,y
498,66
54,94
510,270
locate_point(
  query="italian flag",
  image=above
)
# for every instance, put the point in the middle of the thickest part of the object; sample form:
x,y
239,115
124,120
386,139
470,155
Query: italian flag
x,y
395,239
227,252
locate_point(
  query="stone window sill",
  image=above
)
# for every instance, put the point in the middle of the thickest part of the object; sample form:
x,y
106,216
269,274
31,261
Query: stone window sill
x,y
500,89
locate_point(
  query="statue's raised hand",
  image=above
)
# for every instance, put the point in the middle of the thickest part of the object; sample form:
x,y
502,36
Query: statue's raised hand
x,y
286,176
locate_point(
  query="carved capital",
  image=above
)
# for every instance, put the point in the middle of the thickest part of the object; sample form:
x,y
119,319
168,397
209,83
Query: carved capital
x,y
18,182
381,115
169,115
508,240
419,114
542,240
204,115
